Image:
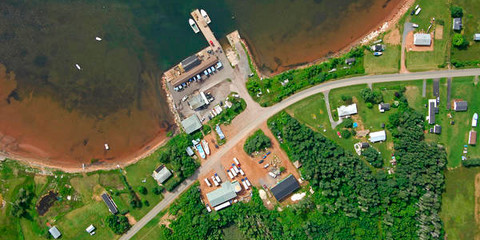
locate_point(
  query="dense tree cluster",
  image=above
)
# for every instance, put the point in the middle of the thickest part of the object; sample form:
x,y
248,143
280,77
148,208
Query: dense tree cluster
x,y
456,12
373,97
22,203
175,155
118,223
373,157
257,142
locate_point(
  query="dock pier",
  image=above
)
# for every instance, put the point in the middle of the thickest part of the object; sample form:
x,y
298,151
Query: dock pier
x,y
205,29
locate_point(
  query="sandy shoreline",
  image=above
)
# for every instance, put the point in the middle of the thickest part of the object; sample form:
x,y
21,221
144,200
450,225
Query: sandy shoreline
x,y
159,140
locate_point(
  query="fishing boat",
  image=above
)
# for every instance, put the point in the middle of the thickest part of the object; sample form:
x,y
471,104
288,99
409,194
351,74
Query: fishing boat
x,y
474,120
98,39
205,16
193,25
418,11
200,151
78,66
205,147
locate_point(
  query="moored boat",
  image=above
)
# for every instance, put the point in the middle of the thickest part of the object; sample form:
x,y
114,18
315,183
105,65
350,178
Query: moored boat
x,y
205,16
193,25
205,147
200,151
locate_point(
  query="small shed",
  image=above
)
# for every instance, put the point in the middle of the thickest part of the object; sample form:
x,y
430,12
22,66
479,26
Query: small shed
x,y
90,229
460,106
345,111
422,39
297,164
476,37
350,61
54,232
161,174
457,24
379,136
437,129
191,124
189,151
472,137
112,207
285,187
382,107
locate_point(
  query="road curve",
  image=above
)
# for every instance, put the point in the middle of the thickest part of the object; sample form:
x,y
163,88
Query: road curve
x,y
252,120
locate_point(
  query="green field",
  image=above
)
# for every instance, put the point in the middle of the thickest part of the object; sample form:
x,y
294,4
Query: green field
x,y
471,25
438,9
458,203
151,230
389,62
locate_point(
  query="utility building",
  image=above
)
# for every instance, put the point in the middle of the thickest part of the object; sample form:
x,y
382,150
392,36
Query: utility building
x,y
422,39
285,188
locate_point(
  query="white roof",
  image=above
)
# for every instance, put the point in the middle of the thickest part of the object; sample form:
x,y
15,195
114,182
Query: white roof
x,y
90,228
347,110
378,136
161,174
55,232
476,37
422,39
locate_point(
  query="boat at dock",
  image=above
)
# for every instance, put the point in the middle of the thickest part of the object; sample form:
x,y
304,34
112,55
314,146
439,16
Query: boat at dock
x,y
205,16
193,25
205,147
200,151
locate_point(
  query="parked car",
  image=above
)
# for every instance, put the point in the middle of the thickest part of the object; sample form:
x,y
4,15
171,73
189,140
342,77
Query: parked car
x,y
205,73
213,68
211,43
209,71
415,25
219,65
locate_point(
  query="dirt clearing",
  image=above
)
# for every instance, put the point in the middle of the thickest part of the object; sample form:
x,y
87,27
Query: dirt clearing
x,y
393,37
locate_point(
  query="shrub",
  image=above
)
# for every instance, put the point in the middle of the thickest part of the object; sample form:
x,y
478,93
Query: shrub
x,y
348,123
459,41
346,134
143,190
172,183
369,105
370,96
456,11
158,190
471,162
146,203
118,223
347,99
256,142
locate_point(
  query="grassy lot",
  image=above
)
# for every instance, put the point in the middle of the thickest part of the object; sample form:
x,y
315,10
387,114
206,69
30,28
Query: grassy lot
x,y
440,10
413,92
471,25
389,62
458,203
151,230
453,137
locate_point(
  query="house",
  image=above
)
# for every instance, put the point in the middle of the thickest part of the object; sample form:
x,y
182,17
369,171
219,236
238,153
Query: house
x,y
221,196
191,124
189,151
422,39
382,107
112,207
90,229
379,136
472,137
161,174
285,187
198,101
460,106
345,111
476,37
437,129
54,232
350,61
432,109
457,24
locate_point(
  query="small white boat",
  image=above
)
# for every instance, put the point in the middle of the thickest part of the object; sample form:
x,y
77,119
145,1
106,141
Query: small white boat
x,y
205,147
107,147
205,16
418,11
416,7
193,25
78,66
200,151
98,39
474,120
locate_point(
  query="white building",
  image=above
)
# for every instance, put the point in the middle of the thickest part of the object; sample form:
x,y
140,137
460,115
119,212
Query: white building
x,y
161,174
345,111
422,39
379,136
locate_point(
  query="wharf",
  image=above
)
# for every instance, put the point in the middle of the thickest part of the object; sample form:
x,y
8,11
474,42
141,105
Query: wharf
x,y
205,29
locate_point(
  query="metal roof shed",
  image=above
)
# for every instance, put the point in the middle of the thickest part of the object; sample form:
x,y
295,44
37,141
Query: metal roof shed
x,y
378,136
460,106
422,39
54,232
190,62
285,188
161,174
112,207
457,24
221,195
198,101
344,111
476,37
191,124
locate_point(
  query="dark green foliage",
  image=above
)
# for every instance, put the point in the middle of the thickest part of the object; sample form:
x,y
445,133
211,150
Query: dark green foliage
x,y
459,41
142,190
146,203
347,123
471,162
172,183
461,64
176,157
157,190
225,117
373,97
456,11
373,157
118,223
135,202
256,142
345,134
347,99
22,203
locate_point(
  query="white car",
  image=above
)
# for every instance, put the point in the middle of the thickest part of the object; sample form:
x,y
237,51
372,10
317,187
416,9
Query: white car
x,y
415,25
219,65
209,71
205,72
213,69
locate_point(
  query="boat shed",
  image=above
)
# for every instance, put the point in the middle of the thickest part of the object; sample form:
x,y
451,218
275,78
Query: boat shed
x,y
198,101
476,37
379,136
191,124
223,194
472,137
54,232
161,174
457,24
285,187
345,111
422,39
460,106
112,207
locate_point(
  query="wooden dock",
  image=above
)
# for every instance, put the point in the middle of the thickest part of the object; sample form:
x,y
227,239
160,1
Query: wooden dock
x,y
205,29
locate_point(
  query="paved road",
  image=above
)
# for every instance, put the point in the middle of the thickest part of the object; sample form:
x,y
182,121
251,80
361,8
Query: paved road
x,y
252,120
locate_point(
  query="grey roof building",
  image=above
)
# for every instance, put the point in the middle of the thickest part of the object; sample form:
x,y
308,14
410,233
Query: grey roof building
x,y
382,107
457,24
422,39
349,61
285,187
191,124
189,151
161,174
54,232
112,207
223,194
476,37
432,105
190,62
198,101
460,106
437,129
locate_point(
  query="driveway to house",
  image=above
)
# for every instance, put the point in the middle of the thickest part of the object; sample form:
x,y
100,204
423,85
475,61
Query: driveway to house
x,y
407,27
253,116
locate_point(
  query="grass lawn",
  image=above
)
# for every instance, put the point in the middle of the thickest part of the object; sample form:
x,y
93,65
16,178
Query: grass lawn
x,y
471,25
440,10
389,62
453,137
151,230
458,203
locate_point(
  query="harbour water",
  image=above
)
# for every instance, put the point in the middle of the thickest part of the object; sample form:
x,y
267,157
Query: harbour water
x,y
59,114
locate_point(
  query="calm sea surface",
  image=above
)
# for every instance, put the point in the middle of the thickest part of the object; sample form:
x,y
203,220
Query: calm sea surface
x,y
50,110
